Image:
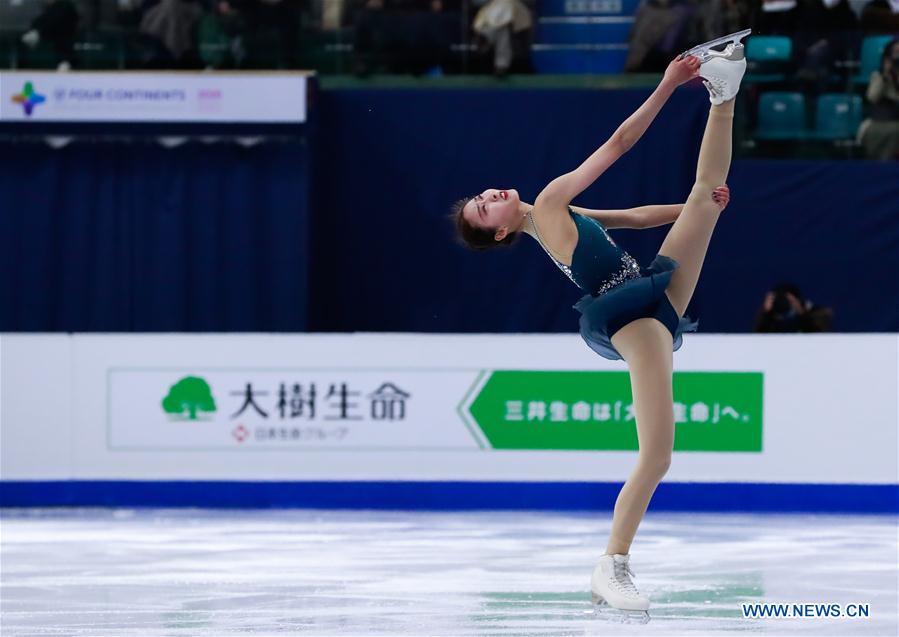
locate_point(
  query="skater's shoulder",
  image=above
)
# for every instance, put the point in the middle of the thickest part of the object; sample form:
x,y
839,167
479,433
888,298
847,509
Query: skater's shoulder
x,y
557,229
555,217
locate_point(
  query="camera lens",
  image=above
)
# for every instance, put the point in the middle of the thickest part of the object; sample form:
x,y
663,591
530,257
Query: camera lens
x,y
781,304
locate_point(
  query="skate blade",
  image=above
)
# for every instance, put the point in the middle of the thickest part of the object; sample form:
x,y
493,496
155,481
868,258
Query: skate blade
x,y
701,51
602,609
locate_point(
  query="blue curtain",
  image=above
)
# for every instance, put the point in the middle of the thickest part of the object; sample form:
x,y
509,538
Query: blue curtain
x,y
120,237
395,160
830,227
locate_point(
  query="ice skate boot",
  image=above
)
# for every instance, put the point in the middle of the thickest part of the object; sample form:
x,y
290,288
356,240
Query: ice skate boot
x,y
722,73
611,586
705,50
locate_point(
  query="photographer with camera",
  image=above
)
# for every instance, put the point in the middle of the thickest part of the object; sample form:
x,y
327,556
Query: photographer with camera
x,y
784,310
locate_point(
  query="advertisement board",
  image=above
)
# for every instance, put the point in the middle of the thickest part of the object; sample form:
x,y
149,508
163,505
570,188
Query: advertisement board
x,y
144,97
747,408
405,408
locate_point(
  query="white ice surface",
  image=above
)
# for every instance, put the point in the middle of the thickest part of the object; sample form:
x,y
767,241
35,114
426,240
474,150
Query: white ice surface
x,y
195,572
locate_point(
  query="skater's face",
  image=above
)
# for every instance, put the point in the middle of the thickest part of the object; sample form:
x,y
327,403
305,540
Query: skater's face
x,y
493,209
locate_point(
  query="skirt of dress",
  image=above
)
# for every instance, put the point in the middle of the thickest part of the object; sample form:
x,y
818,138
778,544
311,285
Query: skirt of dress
x,y
605,314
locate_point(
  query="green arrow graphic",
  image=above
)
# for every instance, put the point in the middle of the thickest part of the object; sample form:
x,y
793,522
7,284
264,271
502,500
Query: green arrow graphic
x,y
516,409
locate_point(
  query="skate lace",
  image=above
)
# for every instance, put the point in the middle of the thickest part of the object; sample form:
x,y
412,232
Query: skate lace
x,y
622,579
718,84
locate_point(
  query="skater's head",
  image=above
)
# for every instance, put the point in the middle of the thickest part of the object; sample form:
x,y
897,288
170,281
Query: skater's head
x,y
488,219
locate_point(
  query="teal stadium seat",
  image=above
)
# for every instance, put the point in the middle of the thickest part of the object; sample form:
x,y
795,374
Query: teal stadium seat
x,y
212,41
781,116
837,116
8,57
769,48
43,56
768,57
872,49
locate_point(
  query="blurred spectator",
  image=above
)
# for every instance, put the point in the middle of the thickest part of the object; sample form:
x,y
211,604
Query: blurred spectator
x,y
776,17
173,24
436,29
659,33
505,27
265,33
377,34
735,15
827,32
879,134
716,17
402,36
881,16
332,14
56,25
784,310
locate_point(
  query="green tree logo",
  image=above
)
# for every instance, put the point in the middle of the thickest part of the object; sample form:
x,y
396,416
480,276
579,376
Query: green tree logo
x,y
187,397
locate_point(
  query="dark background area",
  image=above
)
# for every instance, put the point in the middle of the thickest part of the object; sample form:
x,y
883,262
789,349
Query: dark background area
x,y
347,231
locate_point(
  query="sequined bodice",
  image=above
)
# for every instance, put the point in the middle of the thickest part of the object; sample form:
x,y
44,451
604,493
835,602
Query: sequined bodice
x,y
598,264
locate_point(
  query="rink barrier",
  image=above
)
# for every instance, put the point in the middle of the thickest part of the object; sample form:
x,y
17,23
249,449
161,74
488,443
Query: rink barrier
x,y
446,495
100,420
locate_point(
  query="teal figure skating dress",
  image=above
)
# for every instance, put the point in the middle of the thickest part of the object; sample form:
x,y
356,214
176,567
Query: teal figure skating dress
x,y
619,289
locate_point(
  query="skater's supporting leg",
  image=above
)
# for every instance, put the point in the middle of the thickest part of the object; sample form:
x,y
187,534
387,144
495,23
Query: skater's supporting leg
x,y
688,239
646,346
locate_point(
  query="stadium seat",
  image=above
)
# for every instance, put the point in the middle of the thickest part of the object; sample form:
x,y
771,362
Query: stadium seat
x,y
99,50
837,116
781,116
573,30
8,58
327,51
43,56
872,49
768,58
571,37
565,59
212,42
265,49
772,48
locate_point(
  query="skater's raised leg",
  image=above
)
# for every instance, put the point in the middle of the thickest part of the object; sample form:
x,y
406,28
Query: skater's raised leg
x,y
688,239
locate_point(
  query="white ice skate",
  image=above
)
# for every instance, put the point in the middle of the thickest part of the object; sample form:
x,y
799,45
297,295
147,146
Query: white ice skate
x,y
611,585
704,51
721,70
722,73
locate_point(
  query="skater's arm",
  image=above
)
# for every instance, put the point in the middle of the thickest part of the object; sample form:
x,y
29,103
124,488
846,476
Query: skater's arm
x,y
648,216
654,216
560,191
640,217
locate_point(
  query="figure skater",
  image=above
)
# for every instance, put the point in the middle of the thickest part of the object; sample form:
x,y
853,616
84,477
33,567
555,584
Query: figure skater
x,y
630,312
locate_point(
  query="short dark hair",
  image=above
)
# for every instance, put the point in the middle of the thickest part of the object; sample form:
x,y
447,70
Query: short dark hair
x,y
473,237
